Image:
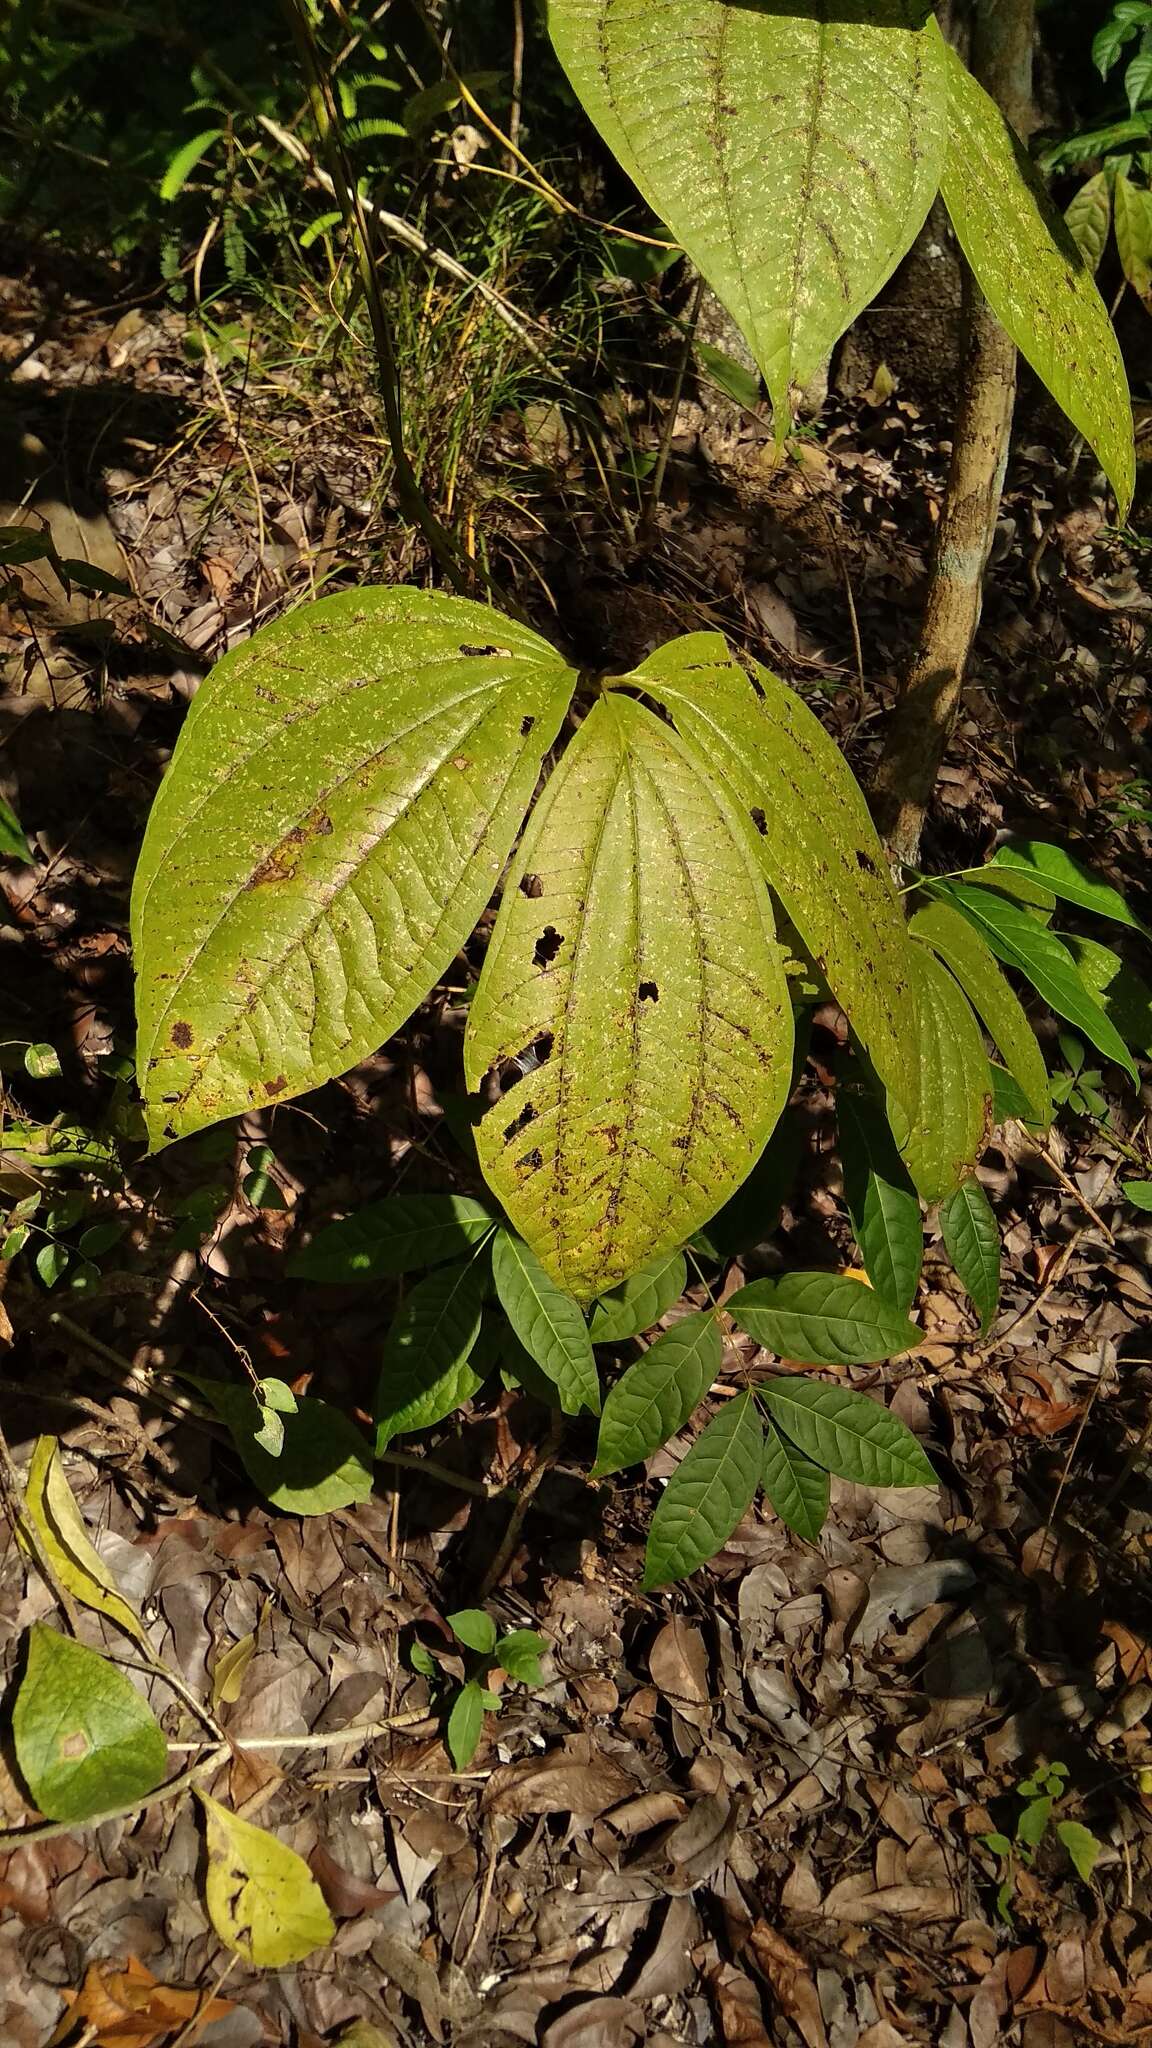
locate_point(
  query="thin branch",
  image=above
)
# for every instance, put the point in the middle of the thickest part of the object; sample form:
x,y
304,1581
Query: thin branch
x,y
46,1831
333,1738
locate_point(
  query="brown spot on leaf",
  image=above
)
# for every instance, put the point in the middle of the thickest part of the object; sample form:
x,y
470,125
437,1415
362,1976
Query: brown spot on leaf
x,y
182,1035
531,885
277,1086
74,1746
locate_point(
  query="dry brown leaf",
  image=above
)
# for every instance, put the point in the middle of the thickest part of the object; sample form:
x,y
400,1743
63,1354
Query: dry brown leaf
x,y
741,2016
565,1781
128,2009
678,1662
792,1983
596,2023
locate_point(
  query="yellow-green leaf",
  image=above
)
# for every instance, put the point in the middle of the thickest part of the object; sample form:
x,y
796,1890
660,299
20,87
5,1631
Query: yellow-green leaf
x,y
816,840
975,966
262,1899
634,973
85,1740
946,1138
342,800
1034,277
1089,218
78,1564
1132,206
792,151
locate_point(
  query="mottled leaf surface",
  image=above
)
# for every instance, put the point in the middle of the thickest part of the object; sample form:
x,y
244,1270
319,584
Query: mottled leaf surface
x,y
816,839
342,799
1034,276
793,153
85,1740
635,958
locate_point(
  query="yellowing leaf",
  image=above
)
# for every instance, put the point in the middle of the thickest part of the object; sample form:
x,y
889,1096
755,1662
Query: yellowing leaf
x,y
1034,277
61,1528
816,840
262,1899
793,151
228,1671
634,963
342,800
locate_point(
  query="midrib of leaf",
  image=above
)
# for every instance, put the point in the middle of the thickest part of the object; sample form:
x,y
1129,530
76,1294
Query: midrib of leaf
x,y
808,191
324,899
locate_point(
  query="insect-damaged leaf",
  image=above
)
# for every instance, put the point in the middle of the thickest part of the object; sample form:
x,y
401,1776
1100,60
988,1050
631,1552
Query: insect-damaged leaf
x,y
1034,276
262,1899
816,839
955,1088
635,956
343,797
710,1491
794,153
85,1740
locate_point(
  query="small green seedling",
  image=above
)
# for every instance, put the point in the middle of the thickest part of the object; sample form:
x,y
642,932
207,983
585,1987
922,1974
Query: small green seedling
x,y
1079,1087
1041,1794
517,1654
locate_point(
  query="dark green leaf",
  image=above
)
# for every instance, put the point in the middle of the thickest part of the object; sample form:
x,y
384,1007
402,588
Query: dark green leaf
x,y
548,1323
847,1433
85,1740
709,1493
795,1486
398,1235
13,844
881,1200
950,1129
424,1370
1018,940
752,1214
655,1397
638,1302
733,379
1121,993
822,1319
972,1236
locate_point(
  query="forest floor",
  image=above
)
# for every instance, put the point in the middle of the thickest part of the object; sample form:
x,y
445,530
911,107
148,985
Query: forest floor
x,y
748,1809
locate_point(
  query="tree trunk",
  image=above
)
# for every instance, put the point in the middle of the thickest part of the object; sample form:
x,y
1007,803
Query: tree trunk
x,y
1002,33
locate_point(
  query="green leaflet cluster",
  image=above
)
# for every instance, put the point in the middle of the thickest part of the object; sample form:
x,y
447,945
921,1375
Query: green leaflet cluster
x,y
341,805
794,153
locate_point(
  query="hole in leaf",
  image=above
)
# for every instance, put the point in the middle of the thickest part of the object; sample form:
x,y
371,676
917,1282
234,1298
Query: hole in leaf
x,y
759,820
531,885
531,1160
466,649
547,946
649,993
520,1123
526,725
865,861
